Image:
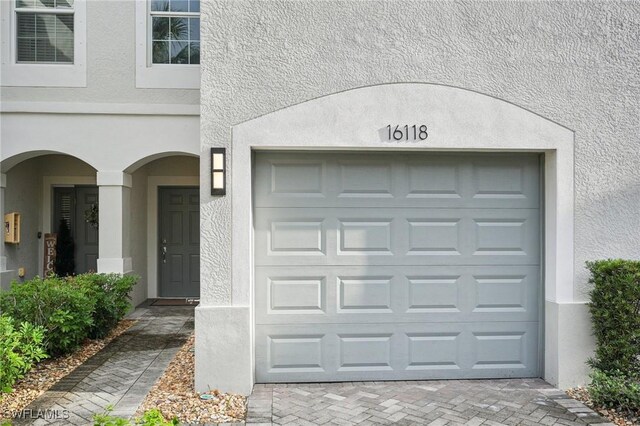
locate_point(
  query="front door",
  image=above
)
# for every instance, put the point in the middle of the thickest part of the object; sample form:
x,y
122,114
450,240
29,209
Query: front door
x,y
74,205
86,231
179,237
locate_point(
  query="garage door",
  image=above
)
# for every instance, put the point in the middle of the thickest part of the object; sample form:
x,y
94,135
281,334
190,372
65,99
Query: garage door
x,y
386,266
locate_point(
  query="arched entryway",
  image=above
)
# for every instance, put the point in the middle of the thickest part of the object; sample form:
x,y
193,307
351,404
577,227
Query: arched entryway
x,y
48,189
165,231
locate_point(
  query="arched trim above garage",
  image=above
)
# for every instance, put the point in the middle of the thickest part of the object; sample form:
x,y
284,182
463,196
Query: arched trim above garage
x,y
457,120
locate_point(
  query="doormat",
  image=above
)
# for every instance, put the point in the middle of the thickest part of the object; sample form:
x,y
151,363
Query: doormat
x,y
174,302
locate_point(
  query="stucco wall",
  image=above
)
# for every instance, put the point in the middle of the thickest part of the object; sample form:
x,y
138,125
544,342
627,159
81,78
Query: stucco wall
x,y
108,142
575,63
23,195
111,42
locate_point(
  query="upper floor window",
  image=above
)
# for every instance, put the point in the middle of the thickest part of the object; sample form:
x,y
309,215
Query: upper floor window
x,y
44,31
44,43
175,31
167,44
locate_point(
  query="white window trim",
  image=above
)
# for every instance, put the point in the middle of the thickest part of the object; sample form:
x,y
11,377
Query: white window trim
x,y
43,74
158,76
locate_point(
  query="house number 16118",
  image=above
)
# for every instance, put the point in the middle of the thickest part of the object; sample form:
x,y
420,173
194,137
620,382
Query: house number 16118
x,y
407,132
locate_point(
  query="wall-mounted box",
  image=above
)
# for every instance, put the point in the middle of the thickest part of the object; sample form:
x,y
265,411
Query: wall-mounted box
x,y
12,228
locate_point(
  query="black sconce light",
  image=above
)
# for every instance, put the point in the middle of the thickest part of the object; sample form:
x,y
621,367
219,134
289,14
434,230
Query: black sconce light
x,y
218,171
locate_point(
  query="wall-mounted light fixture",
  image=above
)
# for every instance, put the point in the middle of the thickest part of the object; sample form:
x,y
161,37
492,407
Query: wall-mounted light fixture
x,y
218,171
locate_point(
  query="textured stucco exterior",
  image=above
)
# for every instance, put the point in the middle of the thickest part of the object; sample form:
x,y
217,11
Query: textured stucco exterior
x,y
111,65
567,68
113,129
575,63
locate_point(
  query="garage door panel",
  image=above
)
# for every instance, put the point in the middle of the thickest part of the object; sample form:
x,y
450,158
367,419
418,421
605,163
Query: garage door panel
x,y
348,236
303,237
396,266
364,351
364,236
435,180
289,351
365,179
364,294
504,179
302,295
382,351
396,180
291,178
434,350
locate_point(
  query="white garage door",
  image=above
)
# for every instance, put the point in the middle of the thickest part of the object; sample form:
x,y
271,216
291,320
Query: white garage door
x,y
387,266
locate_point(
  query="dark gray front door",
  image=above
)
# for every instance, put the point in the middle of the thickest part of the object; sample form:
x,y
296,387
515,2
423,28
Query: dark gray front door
x,y
179,242
71,204
86,233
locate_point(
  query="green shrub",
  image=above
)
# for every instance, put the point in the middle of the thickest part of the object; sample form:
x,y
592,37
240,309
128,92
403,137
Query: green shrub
x,y
112,301
63,310
615,312
151,417
154,417
615,390
19,349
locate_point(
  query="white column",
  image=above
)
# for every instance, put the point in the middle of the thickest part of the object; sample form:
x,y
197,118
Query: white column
x,y
114,222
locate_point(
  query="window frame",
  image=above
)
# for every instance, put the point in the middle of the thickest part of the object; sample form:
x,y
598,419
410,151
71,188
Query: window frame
x,y
169,14
44,11
42,74
159,76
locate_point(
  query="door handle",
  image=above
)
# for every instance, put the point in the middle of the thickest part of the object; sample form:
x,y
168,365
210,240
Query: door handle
x,y
164,251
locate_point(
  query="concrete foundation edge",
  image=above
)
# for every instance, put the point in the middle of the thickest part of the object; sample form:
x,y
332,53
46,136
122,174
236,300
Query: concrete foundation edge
x,y
569,343
223,349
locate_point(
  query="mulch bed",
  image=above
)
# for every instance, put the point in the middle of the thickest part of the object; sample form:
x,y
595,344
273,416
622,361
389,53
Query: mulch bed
x,y
49,371
616,417
174,396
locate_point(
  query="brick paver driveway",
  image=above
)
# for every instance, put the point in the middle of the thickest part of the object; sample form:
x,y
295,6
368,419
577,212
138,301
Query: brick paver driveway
x,y
436,403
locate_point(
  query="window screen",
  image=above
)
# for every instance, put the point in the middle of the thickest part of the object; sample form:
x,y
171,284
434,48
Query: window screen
x,y
44,31
175,32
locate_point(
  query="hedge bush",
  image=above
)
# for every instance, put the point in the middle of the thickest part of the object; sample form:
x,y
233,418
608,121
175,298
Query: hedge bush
x,y
615,390
63,310
615,313
20,348
112,301
70,309
151,417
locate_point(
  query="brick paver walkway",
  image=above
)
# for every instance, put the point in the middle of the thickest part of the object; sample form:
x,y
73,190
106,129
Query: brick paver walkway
x,y
121,374
435,403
